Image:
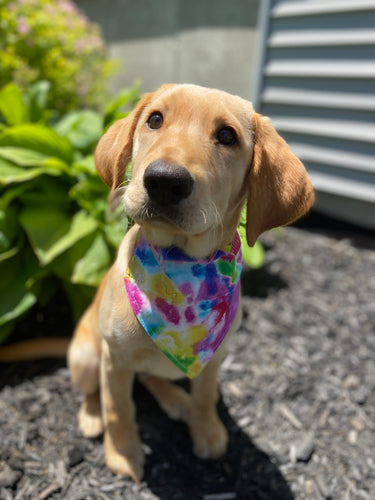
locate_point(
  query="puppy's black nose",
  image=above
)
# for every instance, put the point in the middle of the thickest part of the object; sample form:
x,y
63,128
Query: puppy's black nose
x,y
167,184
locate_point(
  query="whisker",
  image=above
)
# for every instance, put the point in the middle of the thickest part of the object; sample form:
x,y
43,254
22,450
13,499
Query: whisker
x,y
203,212
219,229
147,211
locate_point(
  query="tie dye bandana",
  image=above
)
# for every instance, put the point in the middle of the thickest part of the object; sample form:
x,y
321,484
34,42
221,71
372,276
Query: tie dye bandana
x,y
185,305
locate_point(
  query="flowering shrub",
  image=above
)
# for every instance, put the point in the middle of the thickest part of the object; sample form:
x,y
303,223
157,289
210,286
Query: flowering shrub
x,y
52,40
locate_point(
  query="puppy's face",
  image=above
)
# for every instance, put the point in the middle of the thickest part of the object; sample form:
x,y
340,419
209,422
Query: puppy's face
x,y
197,155
192,149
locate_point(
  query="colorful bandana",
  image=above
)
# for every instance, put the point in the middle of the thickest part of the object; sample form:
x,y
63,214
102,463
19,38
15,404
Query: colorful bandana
x,y
185,305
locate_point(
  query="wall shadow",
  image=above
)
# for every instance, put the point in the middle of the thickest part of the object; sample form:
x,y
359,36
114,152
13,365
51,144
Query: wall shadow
x,y
174,473
129,20
319,223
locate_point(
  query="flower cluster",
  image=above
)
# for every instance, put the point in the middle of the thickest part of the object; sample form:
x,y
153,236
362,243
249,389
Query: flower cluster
x,y
53,40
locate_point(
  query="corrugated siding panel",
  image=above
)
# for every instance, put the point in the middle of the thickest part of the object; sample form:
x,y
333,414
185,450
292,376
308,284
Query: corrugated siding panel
x,y
317,84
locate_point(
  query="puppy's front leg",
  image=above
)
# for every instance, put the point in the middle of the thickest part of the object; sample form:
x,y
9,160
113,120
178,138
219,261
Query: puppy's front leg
x,y
123,449
210,438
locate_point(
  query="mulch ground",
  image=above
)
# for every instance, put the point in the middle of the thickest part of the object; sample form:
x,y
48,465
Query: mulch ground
x,y
297,388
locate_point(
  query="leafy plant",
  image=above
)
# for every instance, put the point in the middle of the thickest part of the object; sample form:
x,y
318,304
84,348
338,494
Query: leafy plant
x,y
55,228
52,40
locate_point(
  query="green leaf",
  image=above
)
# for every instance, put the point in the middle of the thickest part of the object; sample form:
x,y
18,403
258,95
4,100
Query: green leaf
x,y
22,157
11,193
89,186
38,98
86,165
38,138
8,254
123,98
8,229
63,265
21,302
253,256
91,268
52,231
43,284
49,191
15,298
29,158
12,105
86,262
83,129
6,330
115,231
10,173
91,193
79,297
242,224
126,97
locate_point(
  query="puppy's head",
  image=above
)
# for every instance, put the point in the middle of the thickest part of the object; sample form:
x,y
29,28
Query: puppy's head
x,y
197,155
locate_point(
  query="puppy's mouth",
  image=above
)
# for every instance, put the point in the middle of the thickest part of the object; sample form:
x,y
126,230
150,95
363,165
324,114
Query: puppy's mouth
x,y
168,216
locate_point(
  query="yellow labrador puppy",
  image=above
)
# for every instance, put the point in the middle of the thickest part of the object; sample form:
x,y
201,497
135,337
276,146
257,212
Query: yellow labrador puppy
x,y
161,313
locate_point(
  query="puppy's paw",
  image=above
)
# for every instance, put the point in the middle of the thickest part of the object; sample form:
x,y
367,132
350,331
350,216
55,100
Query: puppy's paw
x,y
127,462
90,421
210,438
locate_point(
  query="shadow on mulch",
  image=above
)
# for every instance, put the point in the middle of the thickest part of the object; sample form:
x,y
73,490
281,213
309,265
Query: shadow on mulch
x,y
173,472
13,374
261,282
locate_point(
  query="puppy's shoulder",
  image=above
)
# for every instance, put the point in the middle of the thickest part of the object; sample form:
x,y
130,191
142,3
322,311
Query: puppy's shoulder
x,y
115,279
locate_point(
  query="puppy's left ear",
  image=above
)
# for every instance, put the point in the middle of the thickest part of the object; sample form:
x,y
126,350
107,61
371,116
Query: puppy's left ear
x,y
114,149
279,189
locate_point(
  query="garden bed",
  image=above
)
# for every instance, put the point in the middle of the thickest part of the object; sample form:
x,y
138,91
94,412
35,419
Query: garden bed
x,y
297,394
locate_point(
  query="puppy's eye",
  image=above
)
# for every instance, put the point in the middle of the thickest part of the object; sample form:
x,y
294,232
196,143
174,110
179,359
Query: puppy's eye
x,y
155,120
227,136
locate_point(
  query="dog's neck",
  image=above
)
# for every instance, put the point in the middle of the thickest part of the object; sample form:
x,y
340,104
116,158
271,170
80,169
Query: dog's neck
x,y
197,246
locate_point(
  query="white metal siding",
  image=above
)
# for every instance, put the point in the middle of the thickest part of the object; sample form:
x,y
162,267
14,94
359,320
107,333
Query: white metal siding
x,y
317,83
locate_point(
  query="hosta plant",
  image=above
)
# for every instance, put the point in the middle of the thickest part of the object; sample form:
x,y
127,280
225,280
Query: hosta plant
x,y
55,228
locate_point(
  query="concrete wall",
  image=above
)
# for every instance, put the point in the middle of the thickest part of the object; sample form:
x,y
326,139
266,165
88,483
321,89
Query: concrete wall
x,y
207,42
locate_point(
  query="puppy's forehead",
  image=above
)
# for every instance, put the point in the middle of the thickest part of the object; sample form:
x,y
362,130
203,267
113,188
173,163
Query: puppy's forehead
x,y
187,99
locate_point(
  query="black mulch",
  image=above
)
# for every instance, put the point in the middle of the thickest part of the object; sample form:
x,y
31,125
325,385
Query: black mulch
x,y
297,394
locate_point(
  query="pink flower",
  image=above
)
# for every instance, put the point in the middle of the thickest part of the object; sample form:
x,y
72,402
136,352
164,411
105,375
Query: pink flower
x,y
68,7
22,27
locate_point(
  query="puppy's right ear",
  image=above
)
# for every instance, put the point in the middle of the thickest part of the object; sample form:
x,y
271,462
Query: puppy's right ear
x,y
280,190
114,149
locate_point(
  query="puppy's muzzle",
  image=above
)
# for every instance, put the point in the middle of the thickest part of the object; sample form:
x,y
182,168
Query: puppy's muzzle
x,y
167,184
